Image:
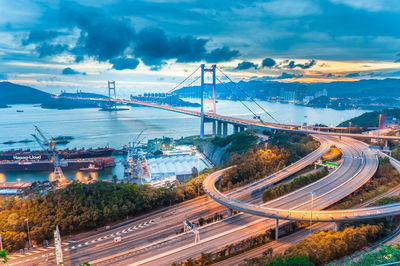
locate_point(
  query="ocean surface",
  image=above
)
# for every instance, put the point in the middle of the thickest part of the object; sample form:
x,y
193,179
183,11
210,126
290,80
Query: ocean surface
x,y
93,128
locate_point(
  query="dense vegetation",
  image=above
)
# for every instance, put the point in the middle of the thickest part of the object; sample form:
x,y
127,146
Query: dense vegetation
x,y
238,142
385,178
254,164
298,182
371,119
296,145
384,255
323,247
386,200
81,207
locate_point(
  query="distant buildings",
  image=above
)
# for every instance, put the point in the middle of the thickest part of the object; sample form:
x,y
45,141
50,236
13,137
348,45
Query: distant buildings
x,y
321,93
300,94
387,121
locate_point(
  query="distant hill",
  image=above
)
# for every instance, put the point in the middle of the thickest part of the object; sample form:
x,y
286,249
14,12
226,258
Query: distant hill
x,y
371,119
17,94
263,89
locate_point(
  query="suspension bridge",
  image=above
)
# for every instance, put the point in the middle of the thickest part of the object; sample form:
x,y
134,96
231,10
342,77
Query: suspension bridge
x,y
207,92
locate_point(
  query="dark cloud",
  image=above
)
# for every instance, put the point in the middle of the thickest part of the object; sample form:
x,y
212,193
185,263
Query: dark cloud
x,y
79,58
124,63
221,55
329,75
38,36
153,46
397,61
353,75
46,49
101,37
286,75
292,64
105,38
246,65
384,74
70,71
268,62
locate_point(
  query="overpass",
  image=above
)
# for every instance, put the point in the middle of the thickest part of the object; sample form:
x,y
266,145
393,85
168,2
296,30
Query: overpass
x,y
304,211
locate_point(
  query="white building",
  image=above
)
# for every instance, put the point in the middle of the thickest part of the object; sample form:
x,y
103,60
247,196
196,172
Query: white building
x,y
172,167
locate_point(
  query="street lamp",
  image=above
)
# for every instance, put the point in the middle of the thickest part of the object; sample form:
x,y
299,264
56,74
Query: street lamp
x,y
198,176
312,205
29,236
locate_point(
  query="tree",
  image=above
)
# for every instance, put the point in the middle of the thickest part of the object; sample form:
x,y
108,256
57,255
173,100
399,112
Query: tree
x,y
3,255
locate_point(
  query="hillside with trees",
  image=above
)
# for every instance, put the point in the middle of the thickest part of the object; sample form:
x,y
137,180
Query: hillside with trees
x,y
17,94
371,119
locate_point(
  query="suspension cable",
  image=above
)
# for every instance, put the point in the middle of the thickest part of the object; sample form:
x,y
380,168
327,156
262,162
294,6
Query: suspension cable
x,y
239,100
183,80
234,83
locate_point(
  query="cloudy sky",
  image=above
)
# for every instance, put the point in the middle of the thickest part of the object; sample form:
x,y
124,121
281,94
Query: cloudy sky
x,y
154,44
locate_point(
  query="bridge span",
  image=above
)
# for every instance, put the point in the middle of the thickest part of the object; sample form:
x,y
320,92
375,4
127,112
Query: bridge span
x,y
220,122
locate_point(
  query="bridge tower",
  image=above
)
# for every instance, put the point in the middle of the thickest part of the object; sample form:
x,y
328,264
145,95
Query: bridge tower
x,y
205,84
111,94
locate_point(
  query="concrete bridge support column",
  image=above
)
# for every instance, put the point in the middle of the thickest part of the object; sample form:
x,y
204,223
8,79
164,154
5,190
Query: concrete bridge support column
x,y
235,129
230,211
214,128
219,128
242,129
337,226
225,129
277,230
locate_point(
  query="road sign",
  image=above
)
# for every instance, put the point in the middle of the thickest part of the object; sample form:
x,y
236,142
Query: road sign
x,y
331,164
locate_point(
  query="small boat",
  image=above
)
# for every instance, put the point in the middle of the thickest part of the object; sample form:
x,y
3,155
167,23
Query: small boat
x,y
20,111
25,141
90,168
9,142
63,138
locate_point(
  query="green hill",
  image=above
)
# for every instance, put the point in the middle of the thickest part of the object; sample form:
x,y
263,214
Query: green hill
x,y
17,94
371,119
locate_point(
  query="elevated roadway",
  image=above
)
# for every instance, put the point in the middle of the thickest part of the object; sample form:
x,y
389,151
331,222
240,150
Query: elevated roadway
x,y
287,207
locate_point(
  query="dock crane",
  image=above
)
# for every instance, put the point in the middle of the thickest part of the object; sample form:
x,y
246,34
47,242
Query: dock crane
x,y
51,153
129,164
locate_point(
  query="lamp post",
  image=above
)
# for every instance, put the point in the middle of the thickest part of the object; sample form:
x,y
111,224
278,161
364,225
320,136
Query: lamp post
x,y
1,243
29,236
198,176
312,205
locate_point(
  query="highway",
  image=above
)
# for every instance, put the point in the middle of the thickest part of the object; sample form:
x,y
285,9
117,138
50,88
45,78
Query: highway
x,y
157,242
282,208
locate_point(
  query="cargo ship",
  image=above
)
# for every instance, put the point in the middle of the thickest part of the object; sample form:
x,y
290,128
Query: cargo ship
x,y
28,155
71,159
97,163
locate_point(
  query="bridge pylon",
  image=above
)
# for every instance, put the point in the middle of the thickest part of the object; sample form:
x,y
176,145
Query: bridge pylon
x,y
111,94
205,84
